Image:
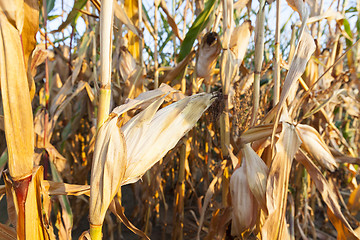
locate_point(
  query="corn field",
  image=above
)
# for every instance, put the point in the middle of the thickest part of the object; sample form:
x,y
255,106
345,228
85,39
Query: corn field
x,y
182,119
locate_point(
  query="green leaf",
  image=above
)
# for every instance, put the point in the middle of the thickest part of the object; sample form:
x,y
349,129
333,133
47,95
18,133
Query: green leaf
x,y
3,159
49,5
348,31
73,15
194,31
64,201
52,17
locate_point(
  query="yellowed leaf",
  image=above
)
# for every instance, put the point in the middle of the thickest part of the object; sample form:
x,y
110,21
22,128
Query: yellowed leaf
x,y
16,102
60,188
354,201
277,184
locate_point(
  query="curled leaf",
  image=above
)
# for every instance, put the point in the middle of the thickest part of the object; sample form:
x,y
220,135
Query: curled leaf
x,y
316,147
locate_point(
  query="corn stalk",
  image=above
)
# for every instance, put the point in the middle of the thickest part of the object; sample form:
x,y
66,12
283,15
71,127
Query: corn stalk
x,y
259,53
106,23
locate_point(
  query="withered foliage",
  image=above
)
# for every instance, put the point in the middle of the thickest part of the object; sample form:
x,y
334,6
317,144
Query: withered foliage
x,y
175,125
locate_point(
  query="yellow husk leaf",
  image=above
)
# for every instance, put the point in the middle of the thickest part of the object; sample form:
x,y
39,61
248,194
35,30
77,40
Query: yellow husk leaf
x,y
244,204
316,147
239,41
108,167
257,173
258,132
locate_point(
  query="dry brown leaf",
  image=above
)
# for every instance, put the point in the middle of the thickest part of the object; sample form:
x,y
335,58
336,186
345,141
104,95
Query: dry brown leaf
x,y
85,235
60,188
38,56
343,233
277,184
171,20
118,211
304,50
240,4
329,197
297,5
7,233
209,193
60,162
170,76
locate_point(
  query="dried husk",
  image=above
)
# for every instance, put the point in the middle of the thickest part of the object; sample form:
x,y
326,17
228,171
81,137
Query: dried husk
x,y
313,143
108,167
158,133
127,63
256,172
239,40
208,52
244,204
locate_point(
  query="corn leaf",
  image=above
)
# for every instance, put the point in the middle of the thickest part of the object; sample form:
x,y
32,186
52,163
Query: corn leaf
x,y
277,184
16,102
73,15
196,28
344,229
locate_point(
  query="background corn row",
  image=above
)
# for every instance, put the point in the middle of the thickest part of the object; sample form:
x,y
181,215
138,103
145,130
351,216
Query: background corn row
x,y
266,147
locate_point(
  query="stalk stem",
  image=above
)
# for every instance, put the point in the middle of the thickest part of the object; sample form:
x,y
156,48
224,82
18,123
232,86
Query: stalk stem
x,y
259,53
277,56
96,232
